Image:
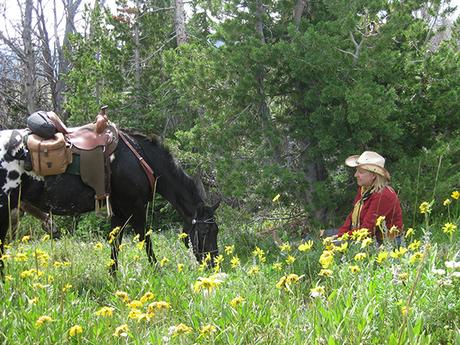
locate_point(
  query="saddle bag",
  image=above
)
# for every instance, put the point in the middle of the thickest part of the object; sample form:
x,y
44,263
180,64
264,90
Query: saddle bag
x,y
49,156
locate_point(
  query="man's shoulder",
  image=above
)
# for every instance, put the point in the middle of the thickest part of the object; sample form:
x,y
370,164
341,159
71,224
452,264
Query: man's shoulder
x,y
387,193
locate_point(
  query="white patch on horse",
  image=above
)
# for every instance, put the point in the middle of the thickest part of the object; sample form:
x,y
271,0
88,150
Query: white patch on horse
x,y
17,166
112,157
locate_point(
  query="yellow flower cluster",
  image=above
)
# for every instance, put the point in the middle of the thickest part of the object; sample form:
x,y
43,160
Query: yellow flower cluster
x,y
285,282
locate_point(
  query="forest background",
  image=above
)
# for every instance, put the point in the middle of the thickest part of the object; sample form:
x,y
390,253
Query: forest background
x,y
255,98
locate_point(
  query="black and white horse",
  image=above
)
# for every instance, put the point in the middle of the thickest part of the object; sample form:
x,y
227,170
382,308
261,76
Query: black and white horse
x,y
65,194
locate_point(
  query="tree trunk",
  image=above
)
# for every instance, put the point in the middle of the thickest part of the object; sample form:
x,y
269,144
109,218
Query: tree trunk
x,y
70,9
29,59
179,22
298,11
137,60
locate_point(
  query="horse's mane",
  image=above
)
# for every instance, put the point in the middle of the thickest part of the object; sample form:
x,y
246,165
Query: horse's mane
x,y
171,163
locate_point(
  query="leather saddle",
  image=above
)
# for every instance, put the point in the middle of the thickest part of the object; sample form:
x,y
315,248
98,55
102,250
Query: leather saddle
x,y
88,137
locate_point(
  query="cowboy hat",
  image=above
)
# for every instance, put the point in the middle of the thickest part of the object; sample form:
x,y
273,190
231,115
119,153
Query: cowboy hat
x,y
370,161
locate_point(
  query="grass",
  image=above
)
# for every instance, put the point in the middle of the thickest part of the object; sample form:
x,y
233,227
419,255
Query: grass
x,y
411,297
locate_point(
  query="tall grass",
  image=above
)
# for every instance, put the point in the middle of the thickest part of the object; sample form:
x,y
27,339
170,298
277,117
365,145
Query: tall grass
x,y
59,292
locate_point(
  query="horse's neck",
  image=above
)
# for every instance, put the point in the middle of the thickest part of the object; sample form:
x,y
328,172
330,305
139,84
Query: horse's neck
x,y
180,197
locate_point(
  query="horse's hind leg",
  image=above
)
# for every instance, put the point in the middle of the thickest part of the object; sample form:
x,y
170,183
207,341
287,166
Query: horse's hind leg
x,y
4,222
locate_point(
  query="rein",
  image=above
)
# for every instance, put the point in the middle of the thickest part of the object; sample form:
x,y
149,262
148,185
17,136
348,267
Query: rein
x,y
147,169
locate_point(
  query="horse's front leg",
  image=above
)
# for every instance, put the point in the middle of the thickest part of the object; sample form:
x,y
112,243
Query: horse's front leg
x,y
115,238
138,224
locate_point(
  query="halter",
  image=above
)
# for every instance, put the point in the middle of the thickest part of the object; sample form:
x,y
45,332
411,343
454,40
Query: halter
x,y
204,221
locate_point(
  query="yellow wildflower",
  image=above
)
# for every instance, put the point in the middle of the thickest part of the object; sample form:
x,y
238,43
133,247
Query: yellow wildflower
x,y
305,247
66,287
278,266
9,277
447,202
394,230
360,256
236,301
285,247
20,257
325,273
403,276
33,301
147,297
150,232
123,295
158,305
45,238
258,252
105,311
276,198
182,235
416,257
342,248
181,329
98,246
164,261
113,234
121,331
180,267
254,270
25,239
367,241
109,263
354,268
235,261
317,291
455,194
135,304
75,330
425,207
405,310
326,258
42,320
398,253
379,221
410,232
229,249
207,284
218,259
207,329
360,234
290,259
140,245
135,314
449,228
286,281
415,245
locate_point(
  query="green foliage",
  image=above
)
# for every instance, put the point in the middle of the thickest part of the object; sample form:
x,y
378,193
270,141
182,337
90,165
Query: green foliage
x,y
278,109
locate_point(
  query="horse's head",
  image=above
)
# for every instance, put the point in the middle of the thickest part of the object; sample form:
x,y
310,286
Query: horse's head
x,y
203,233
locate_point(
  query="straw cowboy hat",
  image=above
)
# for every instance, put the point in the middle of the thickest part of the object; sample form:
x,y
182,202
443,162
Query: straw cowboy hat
x,y
370,161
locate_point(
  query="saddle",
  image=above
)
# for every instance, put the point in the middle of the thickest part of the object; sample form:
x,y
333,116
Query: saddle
x,y
91,145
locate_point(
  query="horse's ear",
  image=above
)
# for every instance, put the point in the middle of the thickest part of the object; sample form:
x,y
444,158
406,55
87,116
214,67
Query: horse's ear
x,y
200,186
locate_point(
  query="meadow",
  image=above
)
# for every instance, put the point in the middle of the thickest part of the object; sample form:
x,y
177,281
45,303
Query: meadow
x,y
308,291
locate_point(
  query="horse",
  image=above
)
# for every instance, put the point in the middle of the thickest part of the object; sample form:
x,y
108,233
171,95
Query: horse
x,y
130,192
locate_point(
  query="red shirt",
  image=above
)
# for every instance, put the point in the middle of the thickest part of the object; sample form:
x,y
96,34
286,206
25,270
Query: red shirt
x,y
384,203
